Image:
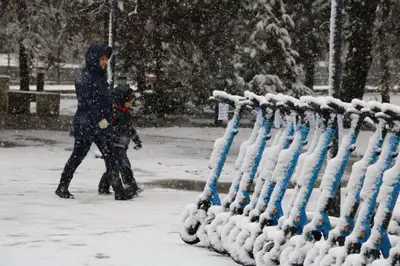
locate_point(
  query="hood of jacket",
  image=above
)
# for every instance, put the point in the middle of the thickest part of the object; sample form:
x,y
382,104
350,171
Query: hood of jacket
x,y
92,58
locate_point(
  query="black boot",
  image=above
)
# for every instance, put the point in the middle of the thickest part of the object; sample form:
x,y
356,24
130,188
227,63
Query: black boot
x,y
119,192
104,185
133,189
131,186
62,189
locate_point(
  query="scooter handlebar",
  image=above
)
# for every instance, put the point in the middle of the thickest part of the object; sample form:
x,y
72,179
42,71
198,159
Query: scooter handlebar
x,y
317,104
359,104
338,106
258,100
229,98
391,110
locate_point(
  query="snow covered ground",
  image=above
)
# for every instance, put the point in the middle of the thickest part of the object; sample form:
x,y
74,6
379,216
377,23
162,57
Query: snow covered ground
x,y
168,153
38,228
184,156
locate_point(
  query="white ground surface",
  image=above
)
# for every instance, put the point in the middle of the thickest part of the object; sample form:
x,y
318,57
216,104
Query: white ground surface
x,y
37,228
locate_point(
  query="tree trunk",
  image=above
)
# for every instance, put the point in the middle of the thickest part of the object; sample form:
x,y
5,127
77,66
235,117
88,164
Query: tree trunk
x,y
158,86
362,16
311,47
106,25
23,54
335,47
139,39
310,71
383,49
23,68
114,23
385,77
59,65
141,76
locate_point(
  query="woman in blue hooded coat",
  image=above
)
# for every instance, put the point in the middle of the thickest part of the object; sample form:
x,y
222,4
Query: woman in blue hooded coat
x,y
92,121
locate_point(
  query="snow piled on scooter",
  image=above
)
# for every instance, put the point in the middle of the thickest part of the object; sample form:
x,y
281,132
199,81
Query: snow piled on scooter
x,y
190,218
330,175
369,188
354,186
214,210
390,179
302,247
216,227
304,178
247,168
280,173
307,172
235,225
337,255
218,149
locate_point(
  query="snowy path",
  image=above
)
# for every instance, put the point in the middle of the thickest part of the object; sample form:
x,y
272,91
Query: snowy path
x,y
186,156
37,228
168,153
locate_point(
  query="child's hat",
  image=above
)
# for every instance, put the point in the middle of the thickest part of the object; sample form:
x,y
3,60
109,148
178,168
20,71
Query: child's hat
x,y
122,95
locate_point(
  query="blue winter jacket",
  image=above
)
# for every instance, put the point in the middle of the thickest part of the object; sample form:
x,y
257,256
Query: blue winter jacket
x,y
93,94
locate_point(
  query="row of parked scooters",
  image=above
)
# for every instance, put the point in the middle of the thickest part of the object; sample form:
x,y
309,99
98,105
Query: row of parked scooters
x,y
255,229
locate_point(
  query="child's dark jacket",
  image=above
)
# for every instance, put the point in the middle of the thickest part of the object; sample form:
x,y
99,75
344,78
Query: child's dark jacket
x,y
123,125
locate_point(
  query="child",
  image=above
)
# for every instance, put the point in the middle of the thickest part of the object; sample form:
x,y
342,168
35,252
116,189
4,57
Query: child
x,y
124,132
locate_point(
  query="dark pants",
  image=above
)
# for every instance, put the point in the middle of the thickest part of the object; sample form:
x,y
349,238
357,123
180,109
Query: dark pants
x,y
124,167
81,149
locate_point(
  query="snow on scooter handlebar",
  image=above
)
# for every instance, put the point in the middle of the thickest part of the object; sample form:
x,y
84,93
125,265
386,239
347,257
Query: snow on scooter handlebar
x,y
195,214
249,169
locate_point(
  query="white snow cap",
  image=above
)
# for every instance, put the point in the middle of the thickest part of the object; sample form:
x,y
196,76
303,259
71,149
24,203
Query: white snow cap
x,y
315,100
344,105
273,97
395,109
374,104
252,96
238,100
358,102
287,98
391,107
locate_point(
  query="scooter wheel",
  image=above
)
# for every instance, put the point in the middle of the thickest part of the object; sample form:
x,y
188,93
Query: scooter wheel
x,y
191,220
191,231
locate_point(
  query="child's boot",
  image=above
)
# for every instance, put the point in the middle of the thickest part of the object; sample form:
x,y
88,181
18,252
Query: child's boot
x,y
119,192
104,185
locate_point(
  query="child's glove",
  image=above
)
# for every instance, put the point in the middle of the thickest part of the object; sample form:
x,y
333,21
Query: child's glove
x,y
137,141
138,145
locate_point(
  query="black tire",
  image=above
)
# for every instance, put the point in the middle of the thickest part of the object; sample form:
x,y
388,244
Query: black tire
x,y
219,251
192,231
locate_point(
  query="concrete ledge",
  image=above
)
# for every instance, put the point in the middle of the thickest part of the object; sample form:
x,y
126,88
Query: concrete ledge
x,y
182,184
34,122
195,185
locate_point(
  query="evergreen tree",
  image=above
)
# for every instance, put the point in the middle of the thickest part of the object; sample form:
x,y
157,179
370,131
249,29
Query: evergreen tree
x,y
267,62
311,33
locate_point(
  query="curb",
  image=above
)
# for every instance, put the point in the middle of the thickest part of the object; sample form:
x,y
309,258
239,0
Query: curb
x,y
198,186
